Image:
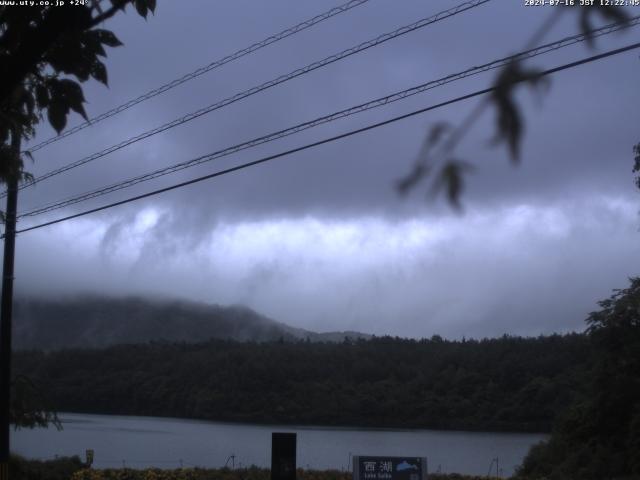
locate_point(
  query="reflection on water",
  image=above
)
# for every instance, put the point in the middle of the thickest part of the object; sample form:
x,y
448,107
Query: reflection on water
x,y
168,443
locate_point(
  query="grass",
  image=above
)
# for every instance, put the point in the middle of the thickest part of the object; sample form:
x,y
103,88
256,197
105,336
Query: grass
x,y
72,468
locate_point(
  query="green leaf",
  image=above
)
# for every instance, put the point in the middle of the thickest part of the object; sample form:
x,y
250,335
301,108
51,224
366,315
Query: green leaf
x,y
99,72
107,37
451,178
72,94
609,13
42,96
510,127
406,183
93,45
509,123
141,7
57,115
72,58
27,177
421,169
435,135
28,102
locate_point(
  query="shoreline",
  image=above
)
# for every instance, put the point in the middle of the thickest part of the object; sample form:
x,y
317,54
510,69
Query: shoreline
x,y
301,426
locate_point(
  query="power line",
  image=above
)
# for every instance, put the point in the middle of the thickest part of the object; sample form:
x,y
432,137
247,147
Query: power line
x,y
252,91
543,49
202,70
328,118
326,140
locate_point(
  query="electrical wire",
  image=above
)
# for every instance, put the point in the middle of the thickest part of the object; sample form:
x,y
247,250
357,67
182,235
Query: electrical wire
x,y
252,91
202,70
324,141
379,102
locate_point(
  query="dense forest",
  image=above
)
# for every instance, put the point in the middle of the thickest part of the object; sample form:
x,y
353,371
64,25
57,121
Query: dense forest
x,y
598,437
510,383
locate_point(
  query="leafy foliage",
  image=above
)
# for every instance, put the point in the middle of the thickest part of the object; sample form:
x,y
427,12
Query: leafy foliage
x,y
42,49
447,172
609,13
72,468
599,437
252,473
506,384
59,469
29,408
420,169
508,117
451,178
45,53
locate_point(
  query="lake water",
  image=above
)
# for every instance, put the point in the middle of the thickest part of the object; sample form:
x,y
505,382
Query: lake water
x,y
139,442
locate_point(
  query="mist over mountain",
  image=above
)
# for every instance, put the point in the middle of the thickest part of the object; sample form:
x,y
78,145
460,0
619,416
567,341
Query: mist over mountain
x,y
92,321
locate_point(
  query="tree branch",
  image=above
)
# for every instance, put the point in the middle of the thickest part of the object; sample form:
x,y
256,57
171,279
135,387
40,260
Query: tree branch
x,y
117,5
39,39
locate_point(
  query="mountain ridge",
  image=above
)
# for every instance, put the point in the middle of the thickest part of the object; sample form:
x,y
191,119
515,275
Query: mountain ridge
x,y
94,321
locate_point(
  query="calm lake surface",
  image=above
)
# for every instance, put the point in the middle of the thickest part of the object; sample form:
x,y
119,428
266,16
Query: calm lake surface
x,y
166,442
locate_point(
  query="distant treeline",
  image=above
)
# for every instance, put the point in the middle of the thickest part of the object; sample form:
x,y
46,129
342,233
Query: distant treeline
x,y
507,384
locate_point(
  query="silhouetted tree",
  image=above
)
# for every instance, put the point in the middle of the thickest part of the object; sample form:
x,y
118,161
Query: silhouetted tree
x,y
509,383
599,436
29,407
45,53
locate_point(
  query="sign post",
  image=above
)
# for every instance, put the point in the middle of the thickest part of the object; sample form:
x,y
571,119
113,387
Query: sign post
x,y
89,457
389,468
283,456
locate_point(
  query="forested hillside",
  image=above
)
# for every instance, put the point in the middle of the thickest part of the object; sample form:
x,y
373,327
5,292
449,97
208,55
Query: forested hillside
x,y
499,384
92,321
598,436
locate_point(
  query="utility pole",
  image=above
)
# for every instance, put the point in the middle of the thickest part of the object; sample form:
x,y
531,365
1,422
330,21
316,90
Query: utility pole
x,y
5,313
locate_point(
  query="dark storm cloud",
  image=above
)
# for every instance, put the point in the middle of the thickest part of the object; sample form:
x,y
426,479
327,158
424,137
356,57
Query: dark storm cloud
x,y
280,237
522,270
564,132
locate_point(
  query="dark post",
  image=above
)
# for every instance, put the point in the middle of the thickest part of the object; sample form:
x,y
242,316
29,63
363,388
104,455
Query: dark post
x,y
283,456
5,316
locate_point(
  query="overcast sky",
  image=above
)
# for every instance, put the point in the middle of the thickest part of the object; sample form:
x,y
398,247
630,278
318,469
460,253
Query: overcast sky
x,y
320,239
